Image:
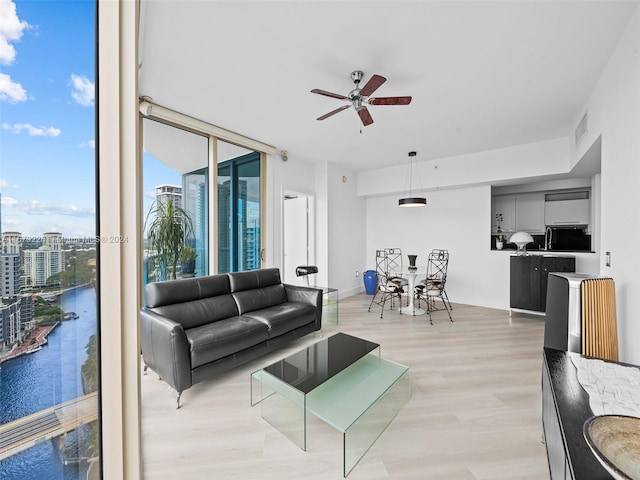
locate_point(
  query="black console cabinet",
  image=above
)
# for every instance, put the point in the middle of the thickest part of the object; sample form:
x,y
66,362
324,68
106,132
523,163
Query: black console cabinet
x,y
565,408
528,281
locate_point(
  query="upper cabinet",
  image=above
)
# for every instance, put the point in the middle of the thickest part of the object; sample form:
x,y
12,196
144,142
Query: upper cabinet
x,y
505,205
567,212
530,212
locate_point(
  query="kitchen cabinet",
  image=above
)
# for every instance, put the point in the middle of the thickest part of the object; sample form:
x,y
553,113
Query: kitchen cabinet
x,y
506,205
530,212
528,279
567,212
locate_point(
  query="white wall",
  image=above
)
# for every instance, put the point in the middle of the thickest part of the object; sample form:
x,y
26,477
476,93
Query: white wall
x,y
528,161
346,231
456,220
292,175
339,218
614,113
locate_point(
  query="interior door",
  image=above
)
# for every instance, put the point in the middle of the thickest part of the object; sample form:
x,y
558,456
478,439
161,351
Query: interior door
x,y
295,235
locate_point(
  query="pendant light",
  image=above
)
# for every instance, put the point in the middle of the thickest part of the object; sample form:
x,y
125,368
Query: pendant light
x,y
410,200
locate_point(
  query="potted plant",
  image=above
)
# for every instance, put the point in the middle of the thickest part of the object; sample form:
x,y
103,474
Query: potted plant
x,y
168,228
499,238
188,261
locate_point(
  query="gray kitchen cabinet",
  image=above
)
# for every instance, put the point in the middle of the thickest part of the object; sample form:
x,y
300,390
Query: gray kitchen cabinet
x,y
530,212
567,212
528,279
506,205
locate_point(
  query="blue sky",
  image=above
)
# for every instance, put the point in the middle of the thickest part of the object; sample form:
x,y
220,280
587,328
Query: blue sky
x,y
47,109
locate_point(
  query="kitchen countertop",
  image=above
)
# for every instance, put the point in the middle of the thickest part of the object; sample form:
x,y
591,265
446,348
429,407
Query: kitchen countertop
x,y
543,252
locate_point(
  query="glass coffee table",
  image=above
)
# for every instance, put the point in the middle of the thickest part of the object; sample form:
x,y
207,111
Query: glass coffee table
x,y
343,381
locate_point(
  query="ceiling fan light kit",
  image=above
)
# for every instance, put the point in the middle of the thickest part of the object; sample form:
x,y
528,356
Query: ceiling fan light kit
x,y
359,98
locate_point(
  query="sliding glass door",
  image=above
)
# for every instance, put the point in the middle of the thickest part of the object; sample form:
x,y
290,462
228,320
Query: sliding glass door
x,y
175,169
239,213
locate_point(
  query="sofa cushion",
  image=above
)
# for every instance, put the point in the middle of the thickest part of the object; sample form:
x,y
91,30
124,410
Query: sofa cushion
x,y
219,339
284,317
253,279
200,312
171,292
250,300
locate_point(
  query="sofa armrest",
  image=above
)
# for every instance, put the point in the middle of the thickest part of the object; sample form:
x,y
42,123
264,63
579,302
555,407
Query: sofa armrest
x,y
312,296
165,349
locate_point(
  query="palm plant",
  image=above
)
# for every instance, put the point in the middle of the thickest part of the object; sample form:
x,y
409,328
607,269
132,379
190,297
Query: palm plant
x,y
169,229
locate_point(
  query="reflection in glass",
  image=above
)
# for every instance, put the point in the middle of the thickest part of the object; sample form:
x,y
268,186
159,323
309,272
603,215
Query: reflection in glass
x,y
238,210
248,198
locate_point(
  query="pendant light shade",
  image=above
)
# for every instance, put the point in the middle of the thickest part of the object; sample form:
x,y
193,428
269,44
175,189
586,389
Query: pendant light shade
x,y
410,200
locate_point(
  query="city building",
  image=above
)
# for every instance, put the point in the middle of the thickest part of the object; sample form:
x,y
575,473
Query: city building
x,y
26,312
10,321
43,262
9,274
53,240
166,192
11,242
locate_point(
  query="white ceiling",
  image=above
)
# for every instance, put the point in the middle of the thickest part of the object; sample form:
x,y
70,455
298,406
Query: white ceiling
x,y
483,75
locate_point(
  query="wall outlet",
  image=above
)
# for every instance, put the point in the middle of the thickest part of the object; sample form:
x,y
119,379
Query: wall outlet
x,y
357,273
607,261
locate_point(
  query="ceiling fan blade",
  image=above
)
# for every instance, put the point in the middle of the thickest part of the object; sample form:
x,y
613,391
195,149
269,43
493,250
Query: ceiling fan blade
x,y
329,94
390,101
327,115
372,85
365,116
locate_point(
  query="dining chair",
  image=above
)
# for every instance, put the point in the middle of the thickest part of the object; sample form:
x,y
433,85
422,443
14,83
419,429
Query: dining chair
x,y
433,286
389,286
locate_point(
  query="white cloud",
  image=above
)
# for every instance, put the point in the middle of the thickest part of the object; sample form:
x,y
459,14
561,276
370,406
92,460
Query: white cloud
x,y
83,90
6,184
31,130
90,144
11,91
11,29
9,202
36,207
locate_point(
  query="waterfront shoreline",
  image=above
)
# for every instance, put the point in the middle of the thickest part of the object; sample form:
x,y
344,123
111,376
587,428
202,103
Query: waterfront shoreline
x,y
39,333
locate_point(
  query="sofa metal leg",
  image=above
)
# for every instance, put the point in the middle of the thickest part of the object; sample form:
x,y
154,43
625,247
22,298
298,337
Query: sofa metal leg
x,y
144,370
178,400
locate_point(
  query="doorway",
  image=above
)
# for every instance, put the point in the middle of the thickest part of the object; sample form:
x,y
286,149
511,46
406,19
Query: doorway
x,y
296,238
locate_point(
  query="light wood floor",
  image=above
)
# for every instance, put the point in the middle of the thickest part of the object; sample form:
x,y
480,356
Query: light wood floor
x,y
475,410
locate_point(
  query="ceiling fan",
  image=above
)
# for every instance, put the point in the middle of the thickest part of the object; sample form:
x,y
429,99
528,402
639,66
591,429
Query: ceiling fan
x,y
360,97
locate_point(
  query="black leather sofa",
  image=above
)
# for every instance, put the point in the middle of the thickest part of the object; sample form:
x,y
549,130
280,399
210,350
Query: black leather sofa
x,y
196,328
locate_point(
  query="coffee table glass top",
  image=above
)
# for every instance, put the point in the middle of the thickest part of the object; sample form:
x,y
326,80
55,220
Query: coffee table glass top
x,y
314,365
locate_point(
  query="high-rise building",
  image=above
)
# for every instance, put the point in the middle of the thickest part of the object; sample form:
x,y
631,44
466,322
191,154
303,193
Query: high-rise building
x,y
10,322
9,275
52,240
42,263
11,242
166,192
224,227
26,312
